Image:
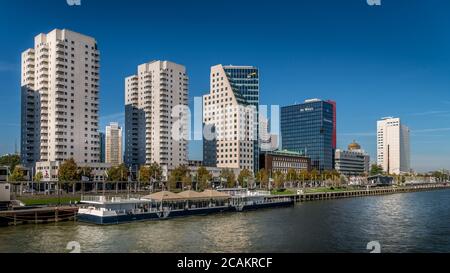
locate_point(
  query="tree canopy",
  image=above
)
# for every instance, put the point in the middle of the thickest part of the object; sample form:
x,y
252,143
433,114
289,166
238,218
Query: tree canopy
x,y
228,177
203,178
244,176
376,170
68,171
118,173
18,175
179,177
10,161
263,178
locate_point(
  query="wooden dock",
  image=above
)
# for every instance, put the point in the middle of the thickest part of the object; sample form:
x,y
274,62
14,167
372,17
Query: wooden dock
x,y
318,196
38,215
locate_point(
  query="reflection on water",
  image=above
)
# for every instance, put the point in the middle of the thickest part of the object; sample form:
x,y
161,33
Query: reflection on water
x,y
416,222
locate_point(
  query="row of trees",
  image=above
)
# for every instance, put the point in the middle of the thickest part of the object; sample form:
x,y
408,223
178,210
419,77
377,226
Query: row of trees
x,y
181,178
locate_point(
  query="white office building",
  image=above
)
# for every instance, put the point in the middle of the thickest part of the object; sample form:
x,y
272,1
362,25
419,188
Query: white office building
x,y
60,99
230,123
156,124
113,144
393,146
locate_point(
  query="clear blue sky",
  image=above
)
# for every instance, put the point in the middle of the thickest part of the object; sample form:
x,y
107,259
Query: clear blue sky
x,y
392,60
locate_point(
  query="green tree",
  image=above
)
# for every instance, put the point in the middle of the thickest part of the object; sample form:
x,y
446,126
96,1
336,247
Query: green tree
x,y
38,177
203,178
229,177
144,175
279,179
10,161
179,177
291,175
304,175
244,176
68,171
18,175
314,175
376,170
262,177
118,173
156,172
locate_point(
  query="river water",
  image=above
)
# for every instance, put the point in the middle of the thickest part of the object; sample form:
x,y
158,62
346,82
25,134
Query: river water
x,y
412,222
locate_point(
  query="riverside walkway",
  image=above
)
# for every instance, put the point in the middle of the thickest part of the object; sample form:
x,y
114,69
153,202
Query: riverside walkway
x,y
317,196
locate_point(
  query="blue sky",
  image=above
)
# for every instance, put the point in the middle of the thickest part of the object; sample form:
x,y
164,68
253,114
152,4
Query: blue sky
x,y
391,60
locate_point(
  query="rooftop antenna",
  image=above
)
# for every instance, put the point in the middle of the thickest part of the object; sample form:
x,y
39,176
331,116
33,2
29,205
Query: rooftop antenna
x,y
15,147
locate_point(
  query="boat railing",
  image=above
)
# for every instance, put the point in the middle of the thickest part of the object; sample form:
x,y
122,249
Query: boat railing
x,y
96,199
106,199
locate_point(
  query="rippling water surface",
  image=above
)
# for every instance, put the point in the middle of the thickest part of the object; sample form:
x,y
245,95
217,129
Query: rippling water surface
x,y
414,222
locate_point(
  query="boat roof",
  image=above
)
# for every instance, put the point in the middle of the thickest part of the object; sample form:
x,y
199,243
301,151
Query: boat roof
x,y
192,195
215,194
163,196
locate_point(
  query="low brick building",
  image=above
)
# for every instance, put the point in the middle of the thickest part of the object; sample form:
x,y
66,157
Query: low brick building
x,y
283,161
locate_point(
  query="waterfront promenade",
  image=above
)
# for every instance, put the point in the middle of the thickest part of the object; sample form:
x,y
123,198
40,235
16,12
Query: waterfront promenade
x,y
316,196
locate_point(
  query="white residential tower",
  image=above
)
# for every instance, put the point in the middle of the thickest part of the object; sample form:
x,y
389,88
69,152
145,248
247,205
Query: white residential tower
x,y
393,146
60,99
154,102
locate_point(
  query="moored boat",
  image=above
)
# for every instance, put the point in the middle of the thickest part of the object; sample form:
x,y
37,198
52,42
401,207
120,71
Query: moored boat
x,y
164,205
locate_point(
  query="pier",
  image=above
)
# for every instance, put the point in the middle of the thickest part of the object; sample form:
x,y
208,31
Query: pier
x,y
320,196
37,215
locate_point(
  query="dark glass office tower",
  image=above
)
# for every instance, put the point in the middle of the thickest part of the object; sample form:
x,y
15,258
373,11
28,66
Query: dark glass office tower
x,y
308,128
102,147
245,80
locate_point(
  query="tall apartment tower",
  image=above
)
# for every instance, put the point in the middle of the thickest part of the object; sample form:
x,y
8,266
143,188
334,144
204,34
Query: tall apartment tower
x,y
154,98
113,144
232,118
60,99
393,147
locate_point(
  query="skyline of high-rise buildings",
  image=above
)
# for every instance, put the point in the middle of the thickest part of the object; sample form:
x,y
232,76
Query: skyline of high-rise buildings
x,y
60,94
